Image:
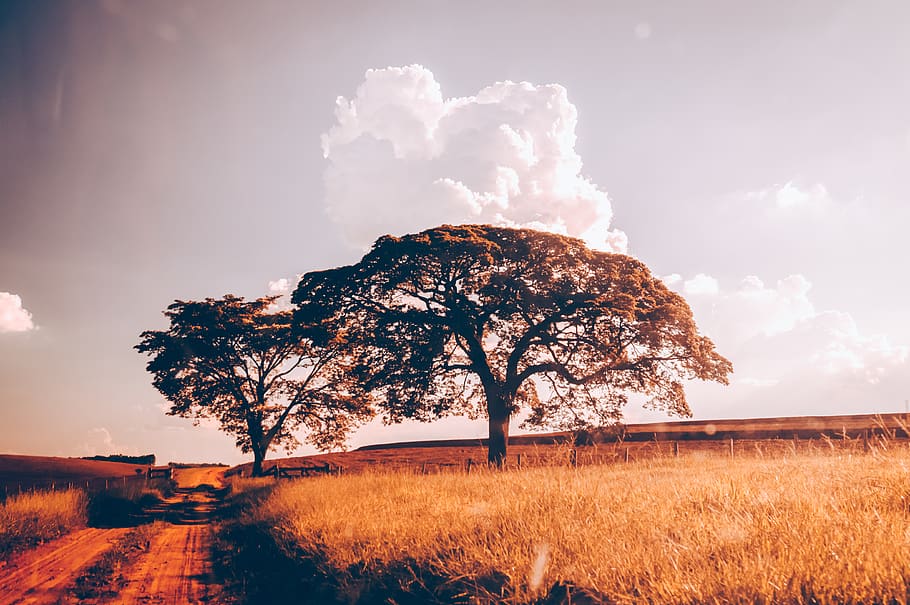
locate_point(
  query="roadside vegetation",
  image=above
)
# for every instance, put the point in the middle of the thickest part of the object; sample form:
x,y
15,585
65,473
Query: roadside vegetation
x,y
31,518
34,517
829,528
123,506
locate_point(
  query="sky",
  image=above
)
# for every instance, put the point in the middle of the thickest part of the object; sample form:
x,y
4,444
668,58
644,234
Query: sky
x,y
756,156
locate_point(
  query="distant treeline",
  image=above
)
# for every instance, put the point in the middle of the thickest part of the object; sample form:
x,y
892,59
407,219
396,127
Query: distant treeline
x,y
147,459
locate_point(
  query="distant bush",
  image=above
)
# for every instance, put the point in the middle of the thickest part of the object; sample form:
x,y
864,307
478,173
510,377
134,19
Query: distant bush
x,y
29,519
148,459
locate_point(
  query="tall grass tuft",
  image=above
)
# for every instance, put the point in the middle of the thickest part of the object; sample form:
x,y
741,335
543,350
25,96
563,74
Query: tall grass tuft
x,y
797,529
31,518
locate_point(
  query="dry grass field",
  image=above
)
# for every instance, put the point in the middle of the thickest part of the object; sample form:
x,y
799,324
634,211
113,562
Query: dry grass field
x,y
829,526
31,518
638,442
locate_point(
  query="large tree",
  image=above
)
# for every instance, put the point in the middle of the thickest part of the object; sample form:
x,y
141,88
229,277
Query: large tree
x,y
483,321
260,375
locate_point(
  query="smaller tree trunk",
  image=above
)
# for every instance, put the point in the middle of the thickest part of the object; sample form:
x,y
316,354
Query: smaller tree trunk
x,y
257,463
259,452
499,439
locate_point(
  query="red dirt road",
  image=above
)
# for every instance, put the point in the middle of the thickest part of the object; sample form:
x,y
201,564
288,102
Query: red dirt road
x,y
178,568
43,574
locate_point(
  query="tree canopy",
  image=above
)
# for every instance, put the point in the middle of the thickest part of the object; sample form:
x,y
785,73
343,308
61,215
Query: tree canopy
x,y
485,321
254,371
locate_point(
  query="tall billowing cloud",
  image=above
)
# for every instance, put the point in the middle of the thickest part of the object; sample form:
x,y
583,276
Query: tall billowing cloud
x,y
13,317
402,157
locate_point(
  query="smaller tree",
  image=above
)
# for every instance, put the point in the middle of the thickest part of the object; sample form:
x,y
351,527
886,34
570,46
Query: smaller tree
x,y
255,372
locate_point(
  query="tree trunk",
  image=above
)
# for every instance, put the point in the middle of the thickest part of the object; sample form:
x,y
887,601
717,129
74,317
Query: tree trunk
x,y
257,441
499,439
258,458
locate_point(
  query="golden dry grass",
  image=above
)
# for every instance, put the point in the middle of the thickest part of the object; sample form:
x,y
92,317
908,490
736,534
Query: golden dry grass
x,y
30,518
834,528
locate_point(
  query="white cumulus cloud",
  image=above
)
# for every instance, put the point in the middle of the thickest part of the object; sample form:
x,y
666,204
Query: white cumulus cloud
x,y
13,316
701,284
749,309
402,157
791,357
790,197
279,286
282,287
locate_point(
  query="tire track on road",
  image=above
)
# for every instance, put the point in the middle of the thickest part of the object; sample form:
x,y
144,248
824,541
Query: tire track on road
x,y
42,575
177,569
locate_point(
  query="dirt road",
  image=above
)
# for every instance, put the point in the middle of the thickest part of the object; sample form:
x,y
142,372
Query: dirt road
x,y
176,569
43,574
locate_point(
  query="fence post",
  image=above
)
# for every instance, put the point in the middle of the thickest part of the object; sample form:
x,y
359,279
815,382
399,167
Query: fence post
x,y
866,440
105,484
731,447
519,460
676,449
470,462
573,457
627,454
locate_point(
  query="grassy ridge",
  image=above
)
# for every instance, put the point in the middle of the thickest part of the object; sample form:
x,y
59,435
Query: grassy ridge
x,y
15,467
31,518
829,528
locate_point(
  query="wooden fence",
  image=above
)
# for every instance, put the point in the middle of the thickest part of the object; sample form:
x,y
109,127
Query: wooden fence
x,y
621,452
291,472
